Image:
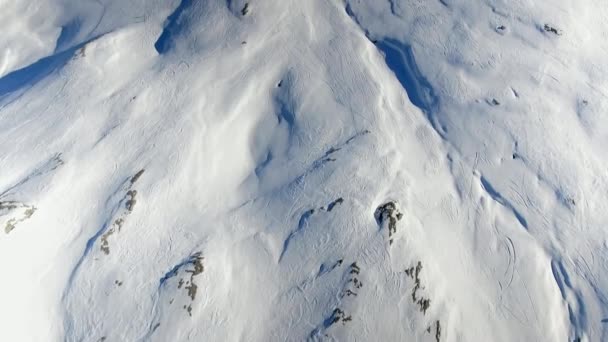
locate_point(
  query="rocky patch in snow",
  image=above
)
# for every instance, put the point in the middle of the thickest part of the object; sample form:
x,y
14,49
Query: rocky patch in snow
x,y
388,214
126,206
12,213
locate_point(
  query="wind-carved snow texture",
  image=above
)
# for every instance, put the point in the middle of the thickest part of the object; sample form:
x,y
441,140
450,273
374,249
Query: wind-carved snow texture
x,y
47,167
286,123
392,170
330,156
124,203
14,211
303,223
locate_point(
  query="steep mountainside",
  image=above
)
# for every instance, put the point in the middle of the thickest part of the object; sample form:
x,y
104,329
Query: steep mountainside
x,y
264,170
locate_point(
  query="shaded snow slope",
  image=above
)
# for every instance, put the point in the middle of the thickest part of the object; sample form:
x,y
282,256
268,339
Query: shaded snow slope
x,y
304,170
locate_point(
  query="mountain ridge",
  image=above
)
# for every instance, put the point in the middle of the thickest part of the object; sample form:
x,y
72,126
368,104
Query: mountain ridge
x,y
321,170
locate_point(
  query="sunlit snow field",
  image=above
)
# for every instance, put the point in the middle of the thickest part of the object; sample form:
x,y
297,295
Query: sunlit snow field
x,y
265,170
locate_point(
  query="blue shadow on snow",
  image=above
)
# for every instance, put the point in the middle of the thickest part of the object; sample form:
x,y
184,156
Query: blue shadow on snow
x,y
37,71
400,59
173,26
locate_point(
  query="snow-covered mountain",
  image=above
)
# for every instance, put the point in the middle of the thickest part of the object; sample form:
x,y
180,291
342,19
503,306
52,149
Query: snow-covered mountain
x,y
292,170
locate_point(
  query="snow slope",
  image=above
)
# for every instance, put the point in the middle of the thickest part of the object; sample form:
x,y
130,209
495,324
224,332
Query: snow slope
x,y
303,170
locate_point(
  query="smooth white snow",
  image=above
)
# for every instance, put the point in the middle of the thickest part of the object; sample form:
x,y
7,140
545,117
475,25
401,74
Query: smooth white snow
x,y
213,170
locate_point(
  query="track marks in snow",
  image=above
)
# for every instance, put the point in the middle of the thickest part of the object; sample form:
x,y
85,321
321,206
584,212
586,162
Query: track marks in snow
x,y
512,260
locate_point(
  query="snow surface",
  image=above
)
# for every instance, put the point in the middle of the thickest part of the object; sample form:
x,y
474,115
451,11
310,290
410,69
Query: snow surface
x,y
303,170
